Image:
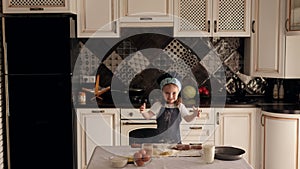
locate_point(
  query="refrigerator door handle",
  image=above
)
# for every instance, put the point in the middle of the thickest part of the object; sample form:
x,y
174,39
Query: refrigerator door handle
x,y
5,56
4,47
6,97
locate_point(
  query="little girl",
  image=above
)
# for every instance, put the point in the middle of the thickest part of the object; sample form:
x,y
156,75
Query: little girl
x,y
169,112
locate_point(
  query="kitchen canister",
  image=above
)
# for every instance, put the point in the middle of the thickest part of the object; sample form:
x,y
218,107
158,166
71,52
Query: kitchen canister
x,y
81,98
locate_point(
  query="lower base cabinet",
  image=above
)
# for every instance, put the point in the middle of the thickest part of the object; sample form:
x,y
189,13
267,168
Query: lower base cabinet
x,y
280,141
237,127
200,130
96,127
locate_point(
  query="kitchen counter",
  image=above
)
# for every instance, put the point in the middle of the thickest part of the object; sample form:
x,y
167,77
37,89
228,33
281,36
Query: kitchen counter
x,y
100,159
282,108
248,102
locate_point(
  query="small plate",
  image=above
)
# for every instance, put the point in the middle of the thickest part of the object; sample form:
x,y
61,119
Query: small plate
x,y
228,153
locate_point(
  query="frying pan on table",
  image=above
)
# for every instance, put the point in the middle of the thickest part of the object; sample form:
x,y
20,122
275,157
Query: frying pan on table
x,y
228,153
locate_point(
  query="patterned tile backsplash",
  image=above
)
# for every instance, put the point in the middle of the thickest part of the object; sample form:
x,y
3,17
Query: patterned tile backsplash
x,y
133,57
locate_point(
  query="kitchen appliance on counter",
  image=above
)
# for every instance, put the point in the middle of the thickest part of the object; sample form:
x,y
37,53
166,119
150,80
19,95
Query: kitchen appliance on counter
x,y
39,113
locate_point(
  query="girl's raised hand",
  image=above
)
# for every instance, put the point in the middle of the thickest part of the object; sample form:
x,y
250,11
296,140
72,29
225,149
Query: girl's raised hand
x,y
143,107
197,110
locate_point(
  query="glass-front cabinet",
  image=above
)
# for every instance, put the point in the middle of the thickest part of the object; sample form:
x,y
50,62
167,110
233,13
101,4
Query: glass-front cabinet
x,y
293,15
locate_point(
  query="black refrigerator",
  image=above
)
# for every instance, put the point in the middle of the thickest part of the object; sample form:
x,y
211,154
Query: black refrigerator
x,y
38,72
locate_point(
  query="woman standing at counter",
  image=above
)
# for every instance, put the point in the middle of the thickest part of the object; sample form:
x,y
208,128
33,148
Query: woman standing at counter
x,y
169,112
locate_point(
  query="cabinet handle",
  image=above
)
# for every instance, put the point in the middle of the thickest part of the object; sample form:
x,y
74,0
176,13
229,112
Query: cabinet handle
x,y
36,9
136,123
98,111
286,25
218,118
208,24
215,26
207,133
253,23
261,120
146,19
196,128
115,26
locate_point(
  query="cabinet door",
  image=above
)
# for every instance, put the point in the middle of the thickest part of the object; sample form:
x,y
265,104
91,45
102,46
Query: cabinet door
x,y
96,127
293,16
231,18
193,18
145,11
41,6
268,40
280,141
202,18
236,127
292,58
97,18
196,133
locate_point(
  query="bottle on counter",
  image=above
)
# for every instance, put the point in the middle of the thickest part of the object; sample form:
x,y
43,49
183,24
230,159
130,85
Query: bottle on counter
x,y
281,91
275,91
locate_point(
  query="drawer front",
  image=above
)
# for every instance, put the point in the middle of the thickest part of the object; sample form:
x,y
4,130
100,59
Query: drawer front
x,y
197,133
207,117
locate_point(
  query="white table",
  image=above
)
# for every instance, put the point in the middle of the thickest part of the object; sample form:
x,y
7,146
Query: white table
x,y
100,156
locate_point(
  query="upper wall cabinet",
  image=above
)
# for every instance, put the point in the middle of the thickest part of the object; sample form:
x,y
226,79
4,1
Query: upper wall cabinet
x,y
142,13
274,52
39,6
212,18
268,39
97,18
293,16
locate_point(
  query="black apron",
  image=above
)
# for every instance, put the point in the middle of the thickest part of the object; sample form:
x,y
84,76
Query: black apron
x,y
168,125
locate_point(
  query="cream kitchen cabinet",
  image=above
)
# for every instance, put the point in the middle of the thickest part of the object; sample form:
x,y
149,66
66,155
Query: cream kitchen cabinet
x,y
41,6
268,39
98,18
293,17
200,130
212,18
280,141
237,127
96,127
141,13
273,48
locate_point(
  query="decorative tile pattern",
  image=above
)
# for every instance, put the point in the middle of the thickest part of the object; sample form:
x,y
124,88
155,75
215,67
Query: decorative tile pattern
x,y
233,61
190,59
138,62
112,61
175,48
125,48
88,62
162,62
211,62
125,73
180,68
184,59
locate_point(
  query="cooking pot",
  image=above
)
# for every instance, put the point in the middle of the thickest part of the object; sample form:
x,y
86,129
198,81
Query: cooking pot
x,y
136,95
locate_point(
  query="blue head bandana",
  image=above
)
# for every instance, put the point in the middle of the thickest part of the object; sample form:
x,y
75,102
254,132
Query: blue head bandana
x,y
170,80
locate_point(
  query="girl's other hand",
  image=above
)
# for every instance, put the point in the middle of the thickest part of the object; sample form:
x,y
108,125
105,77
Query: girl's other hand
x,y
143,107
197,110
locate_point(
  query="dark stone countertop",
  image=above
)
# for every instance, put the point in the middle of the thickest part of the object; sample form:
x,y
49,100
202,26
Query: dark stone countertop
x,y
275,106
